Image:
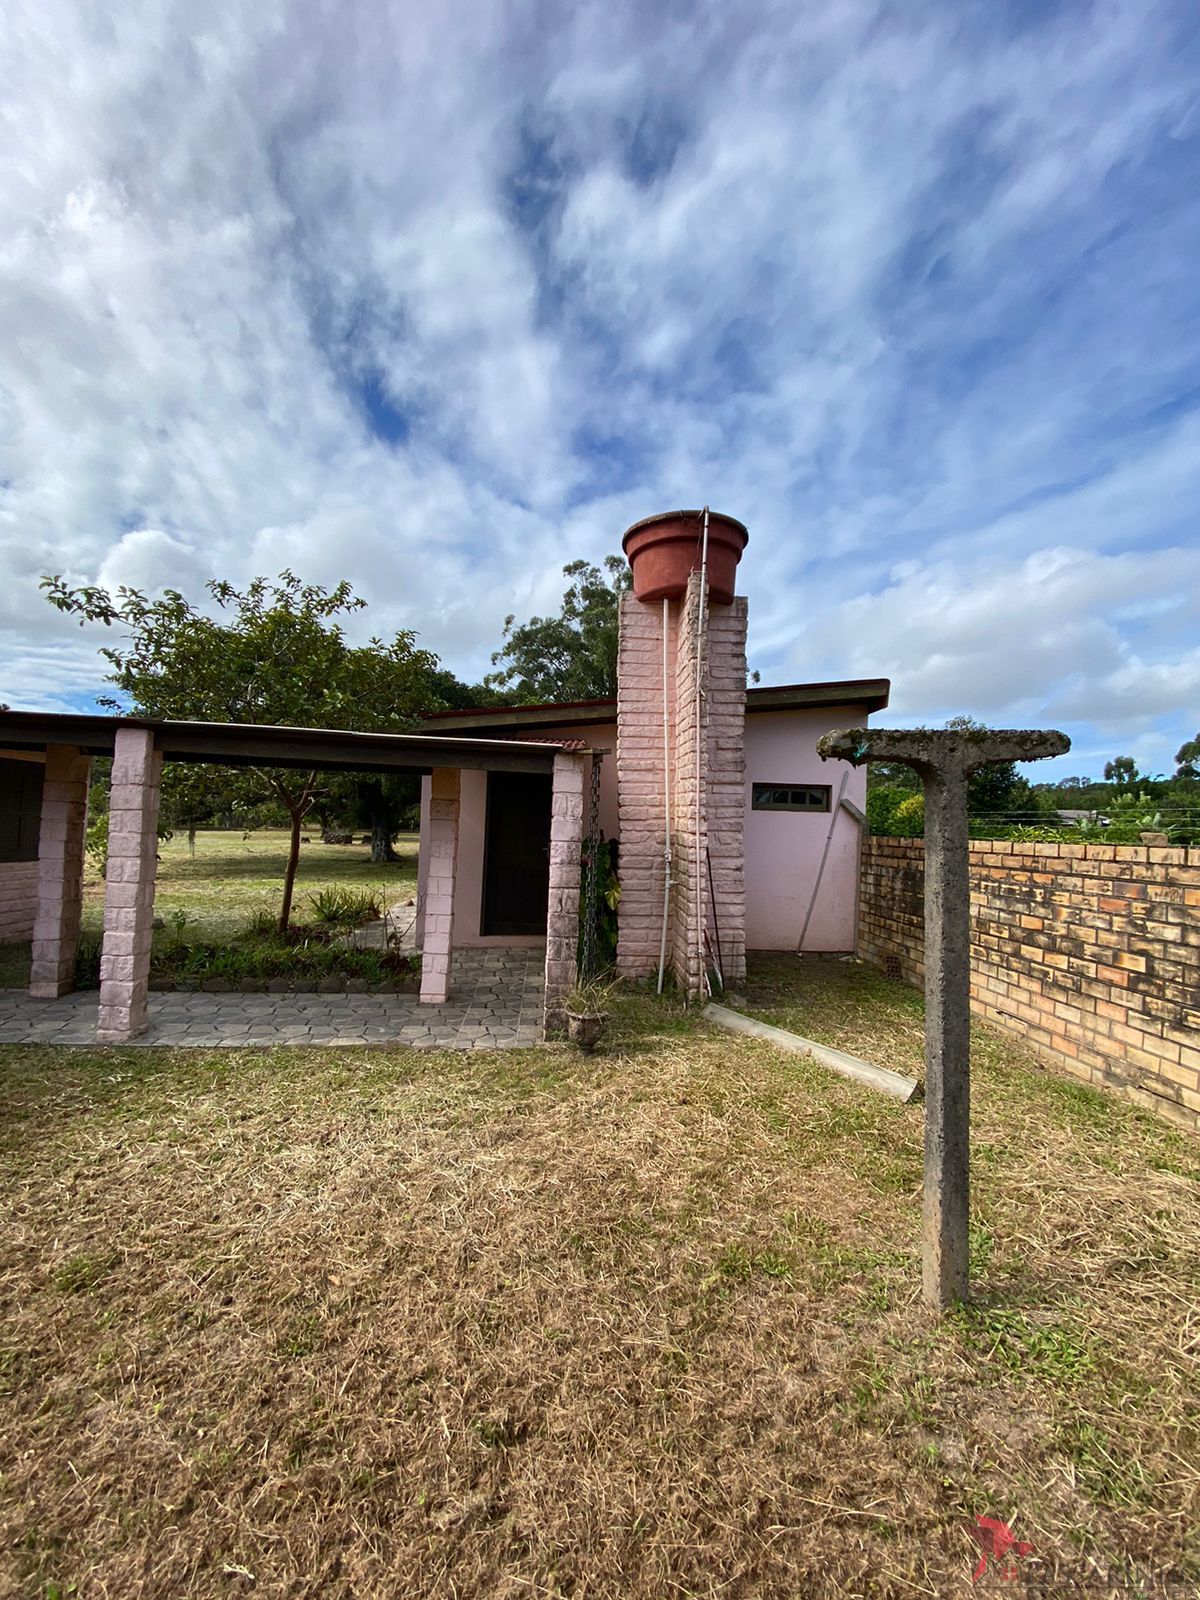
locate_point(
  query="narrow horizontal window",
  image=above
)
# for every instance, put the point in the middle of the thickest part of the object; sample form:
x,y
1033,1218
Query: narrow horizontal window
x,y
790,797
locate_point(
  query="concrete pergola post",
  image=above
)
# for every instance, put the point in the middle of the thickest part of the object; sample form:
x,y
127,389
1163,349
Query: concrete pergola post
x,y
129,886
444,788
562,913
944,761
60,872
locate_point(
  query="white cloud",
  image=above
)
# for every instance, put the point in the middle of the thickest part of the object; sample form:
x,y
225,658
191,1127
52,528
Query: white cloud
x,y
1036,642
438,300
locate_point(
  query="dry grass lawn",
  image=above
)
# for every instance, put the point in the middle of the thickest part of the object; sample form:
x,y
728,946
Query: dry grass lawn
x,y
359,1324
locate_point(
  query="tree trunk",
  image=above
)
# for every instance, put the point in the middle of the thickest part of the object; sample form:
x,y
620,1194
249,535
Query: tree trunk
x,y
289,877
381,844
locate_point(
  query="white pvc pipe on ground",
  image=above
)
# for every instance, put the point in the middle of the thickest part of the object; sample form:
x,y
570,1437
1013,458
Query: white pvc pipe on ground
x,y
881,1078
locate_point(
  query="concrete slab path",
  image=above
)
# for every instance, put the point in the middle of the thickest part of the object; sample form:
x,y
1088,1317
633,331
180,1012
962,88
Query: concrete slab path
x,y
495,1004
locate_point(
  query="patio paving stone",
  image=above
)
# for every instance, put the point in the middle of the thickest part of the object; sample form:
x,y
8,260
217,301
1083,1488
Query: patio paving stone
x,y
496,1003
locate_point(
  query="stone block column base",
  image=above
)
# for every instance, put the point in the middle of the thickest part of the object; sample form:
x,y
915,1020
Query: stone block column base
x,y
562,914
129,887
444,788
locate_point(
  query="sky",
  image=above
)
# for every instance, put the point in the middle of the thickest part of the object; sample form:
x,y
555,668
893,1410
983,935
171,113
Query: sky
x,y
438,298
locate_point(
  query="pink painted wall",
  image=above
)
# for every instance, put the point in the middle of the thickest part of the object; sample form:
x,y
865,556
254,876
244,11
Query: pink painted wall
x,y
472,822
423,859
783,848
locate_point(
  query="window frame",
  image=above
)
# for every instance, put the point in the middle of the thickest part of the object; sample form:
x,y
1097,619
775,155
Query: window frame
x,y
825,790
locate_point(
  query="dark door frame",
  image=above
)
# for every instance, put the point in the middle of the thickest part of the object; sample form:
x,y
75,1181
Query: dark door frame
x,y
490,913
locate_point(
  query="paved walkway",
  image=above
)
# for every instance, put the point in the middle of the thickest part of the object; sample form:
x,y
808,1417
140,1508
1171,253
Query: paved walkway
x,y
397,926
496,1004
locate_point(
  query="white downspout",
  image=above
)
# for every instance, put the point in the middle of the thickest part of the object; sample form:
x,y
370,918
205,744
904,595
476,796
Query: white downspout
x,y
698,880
666,734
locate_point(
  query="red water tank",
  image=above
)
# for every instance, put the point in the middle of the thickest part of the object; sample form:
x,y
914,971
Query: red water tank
x,y
665,550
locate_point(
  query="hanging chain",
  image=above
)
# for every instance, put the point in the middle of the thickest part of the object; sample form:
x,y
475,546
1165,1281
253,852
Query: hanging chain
x,y
591,878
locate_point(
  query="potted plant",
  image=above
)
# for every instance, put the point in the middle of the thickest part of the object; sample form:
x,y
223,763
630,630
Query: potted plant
x,y
586,1011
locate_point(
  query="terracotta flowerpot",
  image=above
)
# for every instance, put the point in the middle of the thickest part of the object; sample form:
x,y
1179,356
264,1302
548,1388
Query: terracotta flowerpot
x,y
586,1029
665,550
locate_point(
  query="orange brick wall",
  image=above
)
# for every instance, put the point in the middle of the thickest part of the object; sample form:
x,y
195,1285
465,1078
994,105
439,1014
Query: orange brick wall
x,y
1090,952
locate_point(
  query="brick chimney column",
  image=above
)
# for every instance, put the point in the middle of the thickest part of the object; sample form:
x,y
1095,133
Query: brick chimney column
x,y
715,828
725,717
640,777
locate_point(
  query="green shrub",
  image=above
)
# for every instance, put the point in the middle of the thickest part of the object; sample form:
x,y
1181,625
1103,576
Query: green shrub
x,y
302,956
882,804
87,960
608,899
346,907
908,819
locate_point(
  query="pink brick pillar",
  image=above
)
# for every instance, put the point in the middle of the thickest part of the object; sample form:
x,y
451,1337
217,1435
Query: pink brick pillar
x,y
715,828
640,777
562,916
444,789
129,886
725,712
59,872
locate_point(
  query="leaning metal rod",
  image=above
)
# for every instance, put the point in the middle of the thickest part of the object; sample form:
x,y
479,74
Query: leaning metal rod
x,y
712,891
821,869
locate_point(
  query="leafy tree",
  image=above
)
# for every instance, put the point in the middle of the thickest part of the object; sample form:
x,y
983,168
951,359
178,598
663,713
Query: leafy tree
x,y
572,656
892,777
882,805
994,788
1124,773
1187,759
276,653
454,695
908,819
378,802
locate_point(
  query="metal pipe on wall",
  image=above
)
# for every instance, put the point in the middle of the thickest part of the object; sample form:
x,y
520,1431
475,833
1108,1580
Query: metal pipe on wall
x,y
698,870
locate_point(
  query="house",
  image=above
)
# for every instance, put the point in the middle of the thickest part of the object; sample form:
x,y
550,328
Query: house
x,y
731,831
767,831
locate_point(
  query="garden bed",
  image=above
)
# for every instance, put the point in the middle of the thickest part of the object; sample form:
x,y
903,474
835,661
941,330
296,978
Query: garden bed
x,y
318,956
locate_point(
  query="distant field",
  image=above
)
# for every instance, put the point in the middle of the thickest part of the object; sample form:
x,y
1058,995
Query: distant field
x,y
230,877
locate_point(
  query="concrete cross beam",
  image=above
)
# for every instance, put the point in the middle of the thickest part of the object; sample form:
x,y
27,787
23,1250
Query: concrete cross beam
x,y
945,759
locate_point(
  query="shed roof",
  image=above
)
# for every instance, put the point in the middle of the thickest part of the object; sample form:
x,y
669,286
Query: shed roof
x,y
243,744
871,693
